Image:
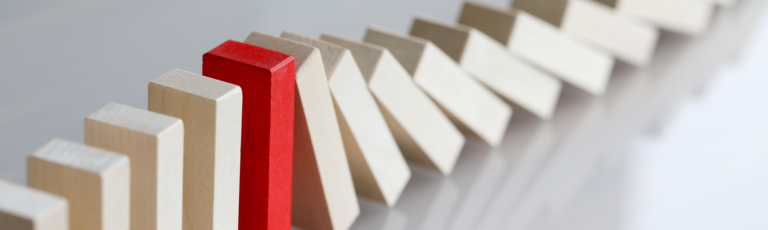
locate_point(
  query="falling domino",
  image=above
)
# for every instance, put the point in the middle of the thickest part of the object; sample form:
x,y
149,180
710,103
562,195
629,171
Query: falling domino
x,y
23,208
424,134
544,46
378,168
212,114
473,108
96,183
690,17
155,145
589,21
267,80
489,62
323,192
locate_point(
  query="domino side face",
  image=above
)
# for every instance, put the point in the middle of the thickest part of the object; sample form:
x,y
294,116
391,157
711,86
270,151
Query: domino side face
x,y
691,17
378,168
25,208
423,133
491,64
473,108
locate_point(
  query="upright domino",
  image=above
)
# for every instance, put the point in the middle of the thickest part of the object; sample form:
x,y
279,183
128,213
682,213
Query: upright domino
x,y
472,107
323,192
267,80
690,17
212,114
591,22
155,145
424,134
378,168
23,208
96,183
489,62
544,46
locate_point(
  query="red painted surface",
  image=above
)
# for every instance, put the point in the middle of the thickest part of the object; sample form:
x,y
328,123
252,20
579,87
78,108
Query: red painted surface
x,y
267,79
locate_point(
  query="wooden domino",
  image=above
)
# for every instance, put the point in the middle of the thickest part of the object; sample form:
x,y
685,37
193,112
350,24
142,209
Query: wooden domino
x,y
489,62
588,21
379,171
544,46
23,208
690,17
212,114
155,145
472,107
266,79
424,134
96,183
323,191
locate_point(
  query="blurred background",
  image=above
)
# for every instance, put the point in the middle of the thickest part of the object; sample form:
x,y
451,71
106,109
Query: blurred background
x,y
681,144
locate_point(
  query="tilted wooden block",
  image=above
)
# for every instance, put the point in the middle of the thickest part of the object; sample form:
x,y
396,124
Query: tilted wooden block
x,y
96,183
155,145
544,46
267,80
212,114
23,208
472,107
378,168
323,192
423,133
691,17
589,21
489,62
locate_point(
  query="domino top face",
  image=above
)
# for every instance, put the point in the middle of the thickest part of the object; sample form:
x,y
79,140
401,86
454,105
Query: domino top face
x,y
197,84
79,156
29,203
366,55
256,56
452,39
497,23
690,17
138,120
551,11
332,54
408,50
299,51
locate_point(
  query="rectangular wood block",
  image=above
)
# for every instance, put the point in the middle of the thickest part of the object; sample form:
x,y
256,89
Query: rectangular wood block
x,y
155,145
691,17
493,65
424,134
96,183
267,80
472,107
212,114
23,208
378,168
323,191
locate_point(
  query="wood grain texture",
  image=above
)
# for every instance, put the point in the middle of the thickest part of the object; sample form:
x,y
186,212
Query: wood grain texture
x,y
323,191
423,133
490,62
96,183
212,114
691,17
155,145
473,108
23,208
379,171
267,80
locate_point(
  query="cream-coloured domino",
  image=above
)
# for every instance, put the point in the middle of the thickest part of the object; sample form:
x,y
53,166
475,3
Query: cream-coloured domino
x,y
212,114
489,62
96,183
378,168
473,108
596,24
23,208
424,134
155,144
690,17
323,191
544,46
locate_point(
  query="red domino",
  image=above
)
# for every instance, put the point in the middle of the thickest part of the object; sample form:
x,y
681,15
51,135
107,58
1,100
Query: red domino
x,y
267,79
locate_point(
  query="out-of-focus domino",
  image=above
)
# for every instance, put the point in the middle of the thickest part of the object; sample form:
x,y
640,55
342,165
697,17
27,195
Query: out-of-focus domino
x,y
489,62
96,183
155,145
424,134
23,208
473,108
323,191
212,114
690,17
378,168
